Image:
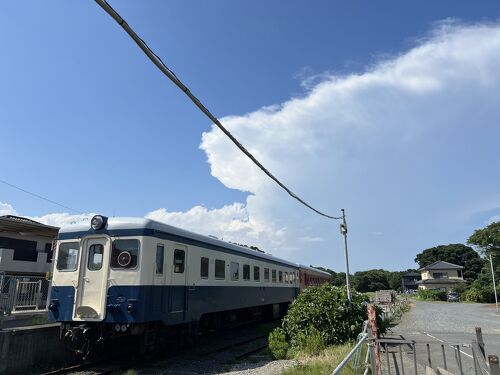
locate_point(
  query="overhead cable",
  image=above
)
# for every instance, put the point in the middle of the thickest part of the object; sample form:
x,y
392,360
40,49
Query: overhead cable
x,y
165,70
39,196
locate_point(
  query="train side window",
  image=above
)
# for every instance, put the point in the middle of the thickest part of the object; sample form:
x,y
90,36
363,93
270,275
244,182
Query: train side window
x,y
179,260
266,274
274,276
281,276
94,262
246,272
204,268
220,269
286,277
125,254
235,271
67,257
256,273
160,251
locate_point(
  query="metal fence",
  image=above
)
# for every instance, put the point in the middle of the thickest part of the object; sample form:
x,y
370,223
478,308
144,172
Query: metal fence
x,y
23,293
400,356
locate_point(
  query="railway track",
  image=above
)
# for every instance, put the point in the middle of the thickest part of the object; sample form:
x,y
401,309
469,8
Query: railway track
x,y
213,352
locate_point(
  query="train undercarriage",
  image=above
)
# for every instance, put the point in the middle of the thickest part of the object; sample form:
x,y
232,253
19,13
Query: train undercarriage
x,y
89,338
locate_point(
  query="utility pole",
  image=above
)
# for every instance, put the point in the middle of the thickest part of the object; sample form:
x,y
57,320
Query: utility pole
x,y
494,284
343,230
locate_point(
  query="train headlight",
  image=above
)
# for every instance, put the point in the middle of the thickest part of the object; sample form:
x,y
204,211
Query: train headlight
x,y
124,258
98,222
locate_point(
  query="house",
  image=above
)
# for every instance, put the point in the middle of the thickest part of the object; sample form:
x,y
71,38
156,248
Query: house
x,y
410,280
25,246
441,275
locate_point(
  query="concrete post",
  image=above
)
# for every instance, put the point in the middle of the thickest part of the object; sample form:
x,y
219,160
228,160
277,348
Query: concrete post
x,y
372,321
494,367
480,341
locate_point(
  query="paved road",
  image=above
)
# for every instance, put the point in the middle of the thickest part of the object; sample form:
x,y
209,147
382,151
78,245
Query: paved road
x,y
443,323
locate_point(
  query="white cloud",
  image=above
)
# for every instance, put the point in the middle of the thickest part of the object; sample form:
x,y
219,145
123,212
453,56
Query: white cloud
x,y
231,223
7,209
373,142
60,219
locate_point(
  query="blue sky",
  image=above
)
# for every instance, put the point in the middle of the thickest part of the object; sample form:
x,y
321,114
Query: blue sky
x,y
387,109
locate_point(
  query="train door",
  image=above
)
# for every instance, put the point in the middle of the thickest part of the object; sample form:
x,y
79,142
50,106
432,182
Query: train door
x,y
178,288
92,286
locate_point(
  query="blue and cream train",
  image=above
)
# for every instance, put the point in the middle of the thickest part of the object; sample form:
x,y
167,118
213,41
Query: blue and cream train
x,y
122,276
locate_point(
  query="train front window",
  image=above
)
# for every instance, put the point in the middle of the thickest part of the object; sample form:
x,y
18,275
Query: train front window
x,y
67,257
125,254
94,262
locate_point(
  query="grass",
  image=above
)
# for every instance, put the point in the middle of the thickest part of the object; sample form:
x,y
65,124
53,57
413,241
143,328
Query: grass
x,y
325,362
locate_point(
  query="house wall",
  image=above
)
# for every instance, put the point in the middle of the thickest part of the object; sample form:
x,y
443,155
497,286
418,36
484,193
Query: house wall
x,y
38,264
41,241
452,274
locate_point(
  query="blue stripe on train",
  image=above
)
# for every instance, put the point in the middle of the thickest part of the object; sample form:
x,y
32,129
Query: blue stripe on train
x,y
170,304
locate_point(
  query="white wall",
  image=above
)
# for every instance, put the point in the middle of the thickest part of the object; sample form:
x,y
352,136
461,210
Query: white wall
x,y
9,265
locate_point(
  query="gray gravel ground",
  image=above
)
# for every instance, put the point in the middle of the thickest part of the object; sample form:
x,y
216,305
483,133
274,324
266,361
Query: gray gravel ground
x,y
443,323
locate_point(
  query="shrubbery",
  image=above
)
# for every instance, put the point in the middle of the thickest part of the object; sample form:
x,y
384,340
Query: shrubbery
x,y
320,316
432,294
478,293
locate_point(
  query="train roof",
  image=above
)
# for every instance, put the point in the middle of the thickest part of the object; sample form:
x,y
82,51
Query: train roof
x,y
123,225
312,269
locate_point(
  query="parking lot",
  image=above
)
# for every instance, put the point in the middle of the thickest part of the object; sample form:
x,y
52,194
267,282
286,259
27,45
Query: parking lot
x,y
444,323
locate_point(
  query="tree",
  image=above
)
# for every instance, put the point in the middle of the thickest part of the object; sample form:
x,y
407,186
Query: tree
x,y
487,241
395,280
371,280
457,253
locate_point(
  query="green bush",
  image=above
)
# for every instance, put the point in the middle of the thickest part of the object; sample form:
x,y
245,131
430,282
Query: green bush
x,y
312,343
278,344
432,294
472,295
478,293
320,316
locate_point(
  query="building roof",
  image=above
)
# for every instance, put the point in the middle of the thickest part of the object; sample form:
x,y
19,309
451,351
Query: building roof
x,y
22,225
441,265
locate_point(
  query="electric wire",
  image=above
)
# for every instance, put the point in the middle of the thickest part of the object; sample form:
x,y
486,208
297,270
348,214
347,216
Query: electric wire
x,y
39,196
165,70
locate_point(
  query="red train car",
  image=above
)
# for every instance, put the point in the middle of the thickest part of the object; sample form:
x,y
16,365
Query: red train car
x,y
309,276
